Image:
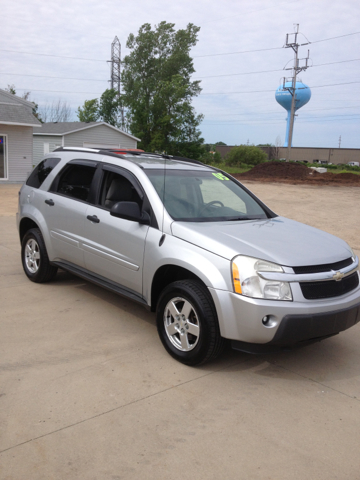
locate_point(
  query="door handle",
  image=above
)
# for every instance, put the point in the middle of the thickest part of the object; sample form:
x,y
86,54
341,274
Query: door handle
x,y
50,202
93,218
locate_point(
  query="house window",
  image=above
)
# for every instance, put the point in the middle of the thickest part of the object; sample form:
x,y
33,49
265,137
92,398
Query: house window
x,y
3,157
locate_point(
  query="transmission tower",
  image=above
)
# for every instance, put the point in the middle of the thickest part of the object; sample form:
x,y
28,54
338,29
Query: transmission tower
x,y
116,73
291,42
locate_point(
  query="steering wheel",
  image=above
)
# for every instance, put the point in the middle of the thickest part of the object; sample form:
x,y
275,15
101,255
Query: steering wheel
x,y
207,205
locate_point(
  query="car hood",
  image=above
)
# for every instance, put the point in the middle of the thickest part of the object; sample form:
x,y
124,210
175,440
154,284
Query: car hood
x,y
280,240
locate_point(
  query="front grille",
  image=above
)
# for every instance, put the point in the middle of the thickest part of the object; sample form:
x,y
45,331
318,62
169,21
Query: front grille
x,y
331,288
324,268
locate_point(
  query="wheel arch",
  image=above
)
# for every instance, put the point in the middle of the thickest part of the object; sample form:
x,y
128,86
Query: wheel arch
x,y
25,225
167,274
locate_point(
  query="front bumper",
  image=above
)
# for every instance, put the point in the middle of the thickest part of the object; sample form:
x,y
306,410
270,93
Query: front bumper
x,y
297,330
241,318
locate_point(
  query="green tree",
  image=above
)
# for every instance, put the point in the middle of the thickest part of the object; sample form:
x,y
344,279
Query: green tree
x,y
89,112
11,89
110,108
245,154
158,89
211,158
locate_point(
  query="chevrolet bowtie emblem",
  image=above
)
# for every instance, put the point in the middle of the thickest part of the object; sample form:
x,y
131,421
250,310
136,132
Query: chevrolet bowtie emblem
x,y
338,276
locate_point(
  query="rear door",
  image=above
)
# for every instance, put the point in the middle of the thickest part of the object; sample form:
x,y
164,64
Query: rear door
x,y
67,202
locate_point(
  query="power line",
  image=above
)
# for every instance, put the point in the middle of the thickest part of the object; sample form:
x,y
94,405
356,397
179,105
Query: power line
x,y
202,94
302,117
195,56
236,53
273,122
270,71
333,84
339,36
331,116
262,91
268,49
60,91
333,63
276,112
211,76
50,55
47,76
237,74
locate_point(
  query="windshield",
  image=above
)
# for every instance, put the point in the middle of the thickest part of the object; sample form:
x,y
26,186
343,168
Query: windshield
x,y
204,196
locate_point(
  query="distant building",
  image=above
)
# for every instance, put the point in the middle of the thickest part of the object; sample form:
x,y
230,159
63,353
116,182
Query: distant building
x,y
79,134
306,154
16,137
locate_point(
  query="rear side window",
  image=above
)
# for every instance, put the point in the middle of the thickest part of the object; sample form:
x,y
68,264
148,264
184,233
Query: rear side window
x,y
41,171
74,181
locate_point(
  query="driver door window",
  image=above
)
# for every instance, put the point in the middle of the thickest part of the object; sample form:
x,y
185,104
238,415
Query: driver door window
x,y
116,188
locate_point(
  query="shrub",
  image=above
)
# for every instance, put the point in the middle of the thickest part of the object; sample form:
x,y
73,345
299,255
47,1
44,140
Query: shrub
x,y
245,154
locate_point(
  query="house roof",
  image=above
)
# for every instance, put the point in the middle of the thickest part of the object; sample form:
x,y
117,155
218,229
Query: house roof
x,y
65,128
17,114
7,97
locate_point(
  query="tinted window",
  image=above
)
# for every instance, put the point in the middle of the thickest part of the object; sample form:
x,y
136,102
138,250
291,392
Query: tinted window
x,y
74,181
41,171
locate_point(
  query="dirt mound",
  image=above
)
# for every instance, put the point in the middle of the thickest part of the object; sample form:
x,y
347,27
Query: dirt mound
x,y
278,170
297,173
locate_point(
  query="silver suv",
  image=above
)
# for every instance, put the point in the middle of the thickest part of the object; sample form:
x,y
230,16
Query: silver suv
x,y
190,242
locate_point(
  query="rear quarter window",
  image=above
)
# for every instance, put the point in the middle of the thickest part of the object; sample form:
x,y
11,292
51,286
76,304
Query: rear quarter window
x,y
41,171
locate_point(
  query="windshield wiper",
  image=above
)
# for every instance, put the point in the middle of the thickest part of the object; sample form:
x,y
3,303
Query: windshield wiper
x,y
235,219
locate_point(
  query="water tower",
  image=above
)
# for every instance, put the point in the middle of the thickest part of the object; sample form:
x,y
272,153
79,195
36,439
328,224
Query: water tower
x,y
284,98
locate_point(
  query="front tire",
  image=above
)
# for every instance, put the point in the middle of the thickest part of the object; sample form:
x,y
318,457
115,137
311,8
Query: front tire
x,y
35,259
187,323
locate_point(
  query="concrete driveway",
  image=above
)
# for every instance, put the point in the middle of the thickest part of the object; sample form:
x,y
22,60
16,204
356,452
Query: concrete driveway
x,y
88,392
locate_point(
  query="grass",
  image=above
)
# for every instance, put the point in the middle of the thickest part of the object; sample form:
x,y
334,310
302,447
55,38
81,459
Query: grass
x,y
344,171
232,170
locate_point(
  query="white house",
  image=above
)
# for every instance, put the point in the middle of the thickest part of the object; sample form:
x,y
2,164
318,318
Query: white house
x,y
79,134
16,137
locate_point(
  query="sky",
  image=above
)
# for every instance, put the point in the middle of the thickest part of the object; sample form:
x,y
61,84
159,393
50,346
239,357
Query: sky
x,y
60,51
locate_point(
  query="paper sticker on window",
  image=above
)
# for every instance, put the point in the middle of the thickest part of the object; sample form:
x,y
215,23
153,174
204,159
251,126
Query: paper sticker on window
x,y
220,176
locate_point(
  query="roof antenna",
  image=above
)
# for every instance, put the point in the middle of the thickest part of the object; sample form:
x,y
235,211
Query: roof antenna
x,y
162,239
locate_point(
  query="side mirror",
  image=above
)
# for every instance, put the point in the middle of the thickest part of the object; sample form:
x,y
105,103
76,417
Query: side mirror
x,y
130,211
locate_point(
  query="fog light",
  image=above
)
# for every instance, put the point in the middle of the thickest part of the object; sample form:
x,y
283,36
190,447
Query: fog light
x,y
269,321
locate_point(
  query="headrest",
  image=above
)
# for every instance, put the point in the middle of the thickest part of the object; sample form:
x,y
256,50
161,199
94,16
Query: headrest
x,y
120,190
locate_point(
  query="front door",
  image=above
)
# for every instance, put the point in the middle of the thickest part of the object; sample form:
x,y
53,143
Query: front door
x,y
114,247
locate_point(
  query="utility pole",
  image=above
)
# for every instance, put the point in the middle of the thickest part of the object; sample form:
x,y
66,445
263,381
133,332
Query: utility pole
x,y
291,42
340,141
116,73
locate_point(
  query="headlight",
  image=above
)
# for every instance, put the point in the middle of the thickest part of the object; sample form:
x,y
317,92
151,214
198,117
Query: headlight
x,y
246,280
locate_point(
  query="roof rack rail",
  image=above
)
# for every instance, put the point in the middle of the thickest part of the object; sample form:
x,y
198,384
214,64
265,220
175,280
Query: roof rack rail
x,y
120,152
76,149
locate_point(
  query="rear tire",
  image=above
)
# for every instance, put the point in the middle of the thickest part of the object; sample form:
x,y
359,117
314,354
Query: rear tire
x,y
35,259
187,323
